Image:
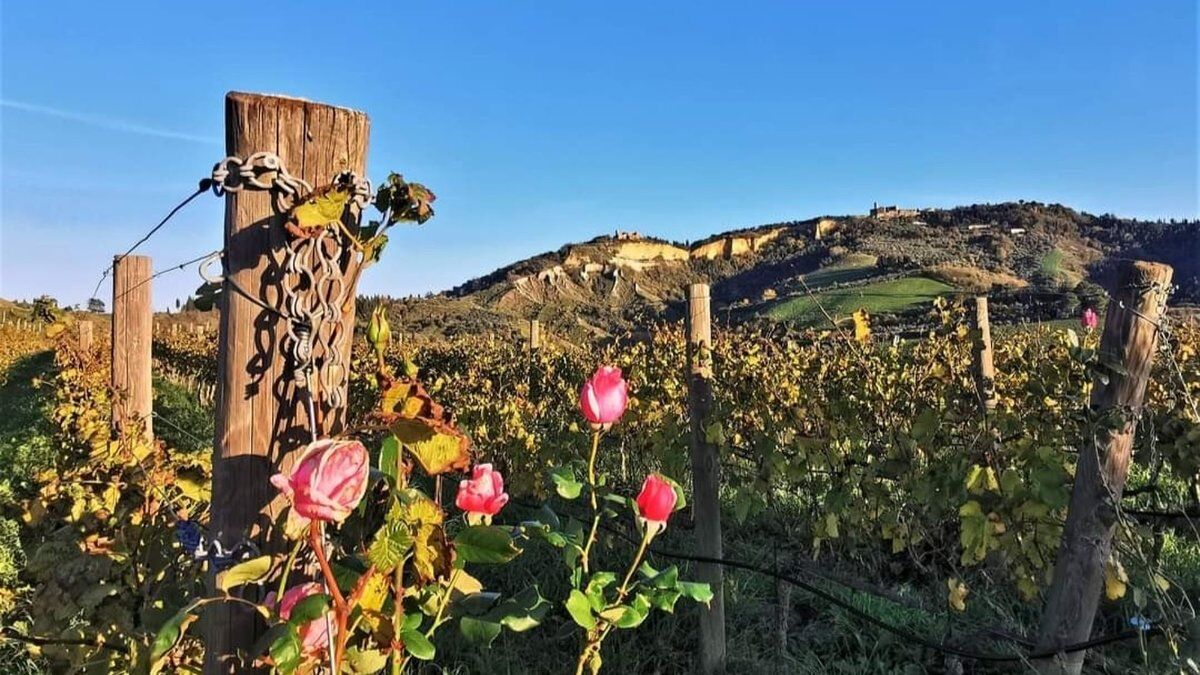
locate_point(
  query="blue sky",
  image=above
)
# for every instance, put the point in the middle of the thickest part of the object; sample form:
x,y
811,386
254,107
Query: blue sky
x,y
539,123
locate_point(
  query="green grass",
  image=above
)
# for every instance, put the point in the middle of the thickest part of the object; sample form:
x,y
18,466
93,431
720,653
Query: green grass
x,y
877,298
850,268
182,422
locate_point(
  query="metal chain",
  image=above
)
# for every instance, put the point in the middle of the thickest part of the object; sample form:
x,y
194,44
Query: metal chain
x,y
259,171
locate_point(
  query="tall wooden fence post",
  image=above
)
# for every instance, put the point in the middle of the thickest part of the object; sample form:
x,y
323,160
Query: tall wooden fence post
x,y
132,332
260,418
985,370
706,479
535,335
1127,345
85,337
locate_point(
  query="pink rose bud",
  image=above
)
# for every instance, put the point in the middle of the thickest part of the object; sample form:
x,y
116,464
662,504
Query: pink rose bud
x,y
1089,319
327,481
604,397
482,496
314,634
656,502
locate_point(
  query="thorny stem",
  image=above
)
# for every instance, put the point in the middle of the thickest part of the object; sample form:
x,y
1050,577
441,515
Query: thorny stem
x,y
596,635
340,610
587,547
287,569
398,658
444,602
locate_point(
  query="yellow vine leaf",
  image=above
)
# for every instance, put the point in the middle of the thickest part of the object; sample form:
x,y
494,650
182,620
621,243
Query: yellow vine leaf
x,y
1115,579
957,598
319,210
862,326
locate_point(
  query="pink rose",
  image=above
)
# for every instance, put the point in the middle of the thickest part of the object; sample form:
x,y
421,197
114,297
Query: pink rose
x,y
604,397
314,635
1089,319
656,502
482,496
327,481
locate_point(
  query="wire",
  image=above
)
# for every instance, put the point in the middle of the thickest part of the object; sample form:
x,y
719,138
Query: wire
x,y
168,270
178,428
205,185
876,621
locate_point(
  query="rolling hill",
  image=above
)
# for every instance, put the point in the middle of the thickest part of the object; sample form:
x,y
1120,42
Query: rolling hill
x,y
1037,261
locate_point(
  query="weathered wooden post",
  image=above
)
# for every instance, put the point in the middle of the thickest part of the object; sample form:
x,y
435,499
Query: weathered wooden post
x,y
535,335
132,330
260,415
85,337
985,371
706,478
1127,349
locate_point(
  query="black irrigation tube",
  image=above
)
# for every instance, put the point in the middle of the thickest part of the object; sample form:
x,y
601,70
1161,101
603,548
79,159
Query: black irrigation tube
x,y
880,623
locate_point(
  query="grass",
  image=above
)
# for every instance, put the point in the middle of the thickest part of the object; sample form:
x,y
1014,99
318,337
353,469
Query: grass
x,y
182,422
848,269
883,297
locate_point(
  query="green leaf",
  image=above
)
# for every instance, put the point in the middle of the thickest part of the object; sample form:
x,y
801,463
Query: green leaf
x,y
700,592
389,457
667,578
309,609
248,572
479,631
417,644
287,651
485,544
522,612
580,609
595,589
665,599
170,633
636,612
565,483
365,661
392,543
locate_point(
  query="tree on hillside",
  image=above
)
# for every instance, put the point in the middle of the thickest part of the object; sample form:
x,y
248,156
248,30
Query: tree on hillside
x,y
95,305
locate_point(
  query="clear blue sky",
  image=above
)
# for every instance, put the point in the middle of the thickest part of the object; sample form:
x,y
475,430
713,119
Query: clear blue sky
x,y
539,123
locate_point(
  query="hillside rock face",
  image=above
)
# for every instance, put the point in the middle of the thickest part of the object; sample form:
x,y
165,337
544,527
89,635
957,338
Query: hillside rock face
x,y
734,245
615,283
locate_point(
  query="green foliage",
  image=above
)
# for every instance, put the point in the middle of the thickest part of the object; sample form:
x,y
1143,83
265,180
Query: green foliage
x,y
878,297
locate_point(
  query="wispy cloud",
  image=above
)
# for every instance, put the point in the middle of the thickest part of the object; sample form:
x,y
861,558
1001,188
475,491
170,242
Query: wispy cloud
x,y
106,122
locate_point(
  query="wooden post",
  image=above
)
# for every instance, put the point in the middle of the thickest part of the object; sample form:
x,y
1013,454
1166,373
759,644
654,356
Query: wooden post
x,y
85,337
706,479
261,419
985,371
132,331
535,335
1127,348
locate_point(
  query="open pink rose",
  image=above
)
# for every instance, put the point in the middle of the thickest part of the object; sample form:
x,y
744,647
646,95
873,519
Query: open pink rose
x,y
314,634
604,397
482,495
1089,319
327,481
656,502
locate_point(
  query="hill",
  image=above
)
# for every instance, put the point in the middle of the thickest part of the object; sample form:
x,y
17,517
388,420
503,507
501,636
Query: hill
x,y
1038,261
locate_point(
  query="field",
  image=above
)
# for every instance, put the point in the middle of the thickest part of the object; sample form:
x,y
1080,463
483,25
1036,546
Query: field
x,y
869,525
881,297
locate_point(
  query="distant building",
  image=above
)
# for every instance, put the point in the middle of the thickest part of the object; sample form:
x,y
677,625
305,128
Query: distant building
x,y
892,212
627,236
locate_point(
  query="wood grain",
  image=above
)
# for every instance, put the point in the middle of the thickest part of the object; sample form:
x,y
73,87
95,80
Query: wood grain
x,y
260,420
706,479
132,332
1126,355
